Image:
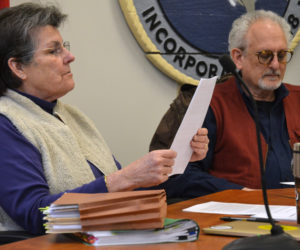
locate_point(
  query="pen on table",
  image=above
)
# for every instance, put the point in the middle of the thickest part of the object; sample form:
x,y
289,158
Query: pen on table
x,y
246,219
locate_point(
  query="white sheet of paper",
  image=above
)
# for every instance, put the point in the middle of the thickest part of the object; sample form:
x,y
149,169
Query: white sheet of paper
x,y
288,183
192,121
288,213
214,207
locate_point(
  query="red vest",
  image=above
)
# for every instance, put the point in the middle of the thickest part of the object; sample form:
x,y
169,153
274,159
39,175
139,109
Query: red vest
x,y
236,153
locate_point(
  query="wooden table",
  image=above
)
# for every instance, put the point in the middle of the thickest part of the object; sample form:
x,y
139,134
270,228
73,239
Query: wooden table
x,y
207,242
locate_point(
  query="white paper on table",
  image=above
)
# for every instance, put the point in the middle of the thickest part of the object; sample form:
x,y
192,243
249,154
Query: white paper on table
x,y
214,207
192,121
288,183
288,213
258,211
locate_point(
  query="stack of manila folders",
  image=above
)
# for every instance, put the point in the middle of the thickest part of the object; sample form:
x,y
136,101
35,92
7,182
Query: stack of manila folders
x,y
119,218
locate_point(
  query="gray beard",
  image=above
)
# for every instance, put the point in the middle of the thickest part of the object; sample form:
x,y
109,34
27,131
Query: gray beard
x,y
264,86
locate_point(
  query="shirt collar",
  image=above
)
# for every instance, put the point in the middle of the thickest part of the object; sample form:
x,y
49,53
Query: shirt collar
x,y
280,93
45,105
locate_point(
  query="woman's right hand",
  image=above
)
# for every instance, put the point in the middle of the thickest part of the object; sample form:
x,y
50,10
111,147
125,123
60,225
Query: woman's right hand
x,y
150,170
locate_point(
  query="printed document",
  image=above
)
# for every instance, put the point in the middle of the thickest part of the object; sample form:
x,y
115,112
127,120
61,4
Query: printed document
x,y
191,122
287,213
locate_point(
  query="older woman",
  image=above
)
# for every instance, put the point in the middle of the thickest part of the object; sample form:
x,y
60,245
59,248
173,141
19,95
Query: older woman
x,y
48,147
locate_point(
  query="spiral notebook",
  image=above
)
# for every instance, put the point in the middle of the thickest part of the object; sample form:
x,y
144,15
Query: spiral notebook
x,y
174,230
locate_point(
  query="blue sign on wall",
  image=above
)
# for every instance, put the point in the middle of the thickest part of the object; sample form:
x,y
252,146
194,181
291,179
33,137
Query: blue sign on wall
x,y
185,38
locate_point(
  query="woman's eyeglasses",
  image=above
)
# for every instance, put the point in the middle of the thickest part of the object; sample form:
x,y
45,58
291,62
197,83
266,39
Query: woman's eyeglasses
x,y
58,48
67,45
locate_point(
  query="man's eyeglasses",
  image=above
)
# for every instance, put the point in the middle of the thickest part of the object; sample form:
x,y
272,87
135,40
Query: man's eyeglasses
x,y
265,57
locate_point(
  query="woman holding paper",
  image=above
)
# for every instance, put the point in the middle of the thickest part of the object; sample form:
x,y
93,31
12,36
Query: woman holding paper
x,y
47,147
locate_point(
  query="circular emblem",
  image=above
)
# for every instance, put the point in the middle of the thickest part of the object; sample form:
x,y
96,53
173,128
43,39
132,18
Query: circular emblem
x,y
184,39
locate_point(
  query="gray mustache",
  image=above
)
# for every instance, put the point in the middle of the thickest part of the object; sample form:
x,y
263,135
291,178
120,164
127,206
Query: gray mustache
x,y
272,72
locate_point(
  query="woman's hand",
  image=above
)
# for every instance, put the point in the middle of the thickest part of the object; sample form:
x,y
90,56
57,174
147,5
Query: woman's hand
x,y
199,145
150,170
155,167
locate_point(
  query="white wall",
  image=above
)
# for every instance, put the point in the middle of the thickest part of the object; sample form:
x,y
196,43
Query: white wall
x,y
292,74
116,86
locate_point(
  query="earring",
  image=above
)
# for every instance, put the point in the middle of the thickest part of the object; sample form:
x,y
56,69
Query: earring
x,y
22,75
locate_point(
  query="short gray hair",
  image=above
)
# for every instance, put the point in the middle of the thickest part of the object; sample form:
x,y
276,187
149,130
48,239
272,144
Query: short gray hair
x,y
17,27
240,27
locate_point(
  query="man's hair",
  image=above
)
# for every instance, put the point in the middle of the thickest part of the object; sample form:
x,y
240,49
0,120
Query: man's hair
x,y
18,25
240,27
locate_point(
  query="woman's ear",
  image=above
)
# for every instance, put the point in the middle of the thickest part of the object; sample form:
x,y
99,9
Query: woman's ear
x,y
17,68
237,57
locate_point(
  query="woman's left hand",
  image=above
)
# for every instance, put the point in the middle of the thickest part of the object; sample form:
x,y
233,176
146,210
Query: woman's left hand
x,y
199,145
